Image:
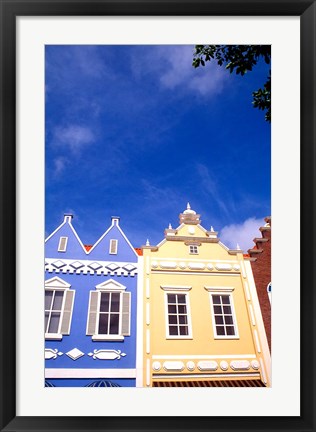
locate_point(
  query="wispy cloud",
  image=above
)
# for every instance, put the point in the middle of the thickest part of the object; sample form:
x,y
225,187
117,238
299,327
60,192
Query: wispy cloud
x,y
73,137
172,65
59,165
242,233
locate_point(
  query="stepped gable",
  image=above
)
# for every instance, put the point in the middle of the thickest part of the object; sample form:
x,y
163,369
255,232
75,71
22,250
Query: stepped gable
x,y
260,256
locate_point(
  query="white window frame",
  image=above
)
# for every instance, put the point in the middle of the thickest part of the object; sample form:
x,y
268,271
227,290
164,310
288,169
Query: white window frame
x,y
182,290
116,246
193,248
60,249
228,291
113,287
269,291
64,287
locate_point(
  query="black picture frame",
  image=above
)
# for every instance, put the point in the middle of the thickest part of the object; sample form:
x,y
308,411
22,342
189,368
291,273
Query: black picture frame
x,y
10,9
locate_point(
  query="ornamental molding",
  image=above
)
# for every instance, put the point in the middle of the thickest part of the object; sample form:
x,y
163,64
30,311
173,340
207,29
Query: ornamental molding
x,y
219,289
52,354
104,354
67,266
195,265
175,287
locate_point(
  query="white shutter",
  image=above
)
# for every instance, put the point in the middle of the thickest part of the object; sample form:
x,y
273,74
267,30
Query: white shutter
x,y
126,314
67,313
92,313
113,247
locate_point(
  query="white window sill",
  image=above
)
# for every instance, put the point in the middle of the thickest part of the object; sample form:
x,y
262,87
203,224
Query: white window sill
x,y
226,337
53,336
107,337
179,337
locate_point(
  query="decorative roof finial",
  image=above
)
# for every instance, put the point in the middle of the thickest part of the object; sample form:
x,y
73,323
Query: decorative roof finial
x,y
188,206
170,227
212,229
238,247
147,243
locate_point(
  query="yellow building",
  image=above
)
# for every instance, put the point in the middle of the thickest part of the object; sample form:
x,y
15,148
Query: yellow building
x,y
202,324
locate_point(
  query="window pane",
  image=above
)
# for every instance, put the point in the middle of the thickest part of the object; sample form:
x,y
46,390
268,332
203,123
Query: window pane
x,y
181,298
114,324
219,319
173,330
183,319
173,319
54,322
46,321
228,319
172,309
104,304
227,310
58,300
218,310
103,323
230,330
220,330
115,302
216,299
48,299
183,330
182,309
225,299
171,298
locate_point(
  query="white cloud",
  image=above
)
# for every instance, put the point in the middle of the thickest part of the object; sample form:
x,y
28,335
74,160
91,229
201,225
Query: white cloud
x,y
59,165
242,233
173,67
74,137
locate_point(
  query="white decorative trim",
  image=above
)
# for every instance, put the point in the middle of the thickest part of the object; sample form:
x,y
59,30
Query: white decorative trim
x,y
104,354
68,221
257,341
53,336
139,325
173,366
196,266
190,365
263,371
175,287
147,265
218,356
147,289
193,273
224,267
212,375
89,373
74,354
52,354
156,366
168,265
182,265
240,365
147,341
207,365
148,372
243,270
255,364
224,365
107,337
219,289
147,314
210,267
111,285
154,264
91,267
56,283
247,290
253,321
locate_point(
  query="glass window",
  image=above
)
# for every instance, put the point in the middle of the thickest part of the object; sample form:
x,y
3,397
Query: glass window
x,y
223,315
178,324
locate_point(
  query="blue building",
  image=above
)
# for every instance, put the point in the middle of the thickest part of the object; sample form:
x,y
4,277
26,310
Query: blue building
x,y
90,309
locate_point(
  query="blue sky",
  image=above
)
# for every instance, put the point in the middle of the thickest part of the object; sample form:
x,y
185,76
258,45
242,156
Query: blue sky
x,y
137,132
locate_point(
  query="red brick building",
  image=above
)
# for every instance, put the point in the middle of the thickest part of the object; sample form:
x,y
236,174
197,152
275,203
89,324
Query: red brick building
x,y
261,267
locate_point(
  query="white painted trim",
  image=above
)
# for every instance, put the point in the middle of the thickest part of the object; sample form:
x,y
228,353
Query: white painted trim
x,y
229,337
106,337
187,302
147,341
147,314
189,259
53,336
85,269
175,288
247,290
260,326
147,288
243,271
219,289
148,372
253,321
110,285
202,272
56,283
147,265
158,376
263,371
56,230
59,244
198,356
139,325
89,373
257,341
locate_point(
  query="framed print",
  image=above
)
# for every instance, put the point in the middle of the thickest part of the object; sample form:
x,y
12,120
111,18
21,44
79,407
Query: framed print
x,y
120,146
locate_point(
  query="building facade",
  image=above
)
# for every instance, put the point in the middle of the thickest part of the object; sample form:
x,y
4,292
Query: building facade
x,y
201,318
90,309
260,256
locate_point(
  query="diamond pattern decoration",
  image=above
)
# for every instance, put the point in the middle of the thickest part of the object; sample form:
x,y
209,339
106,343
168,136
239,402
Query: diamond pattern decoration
x,y
129,267
74,354
95,266
112,266
58,264
77,265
